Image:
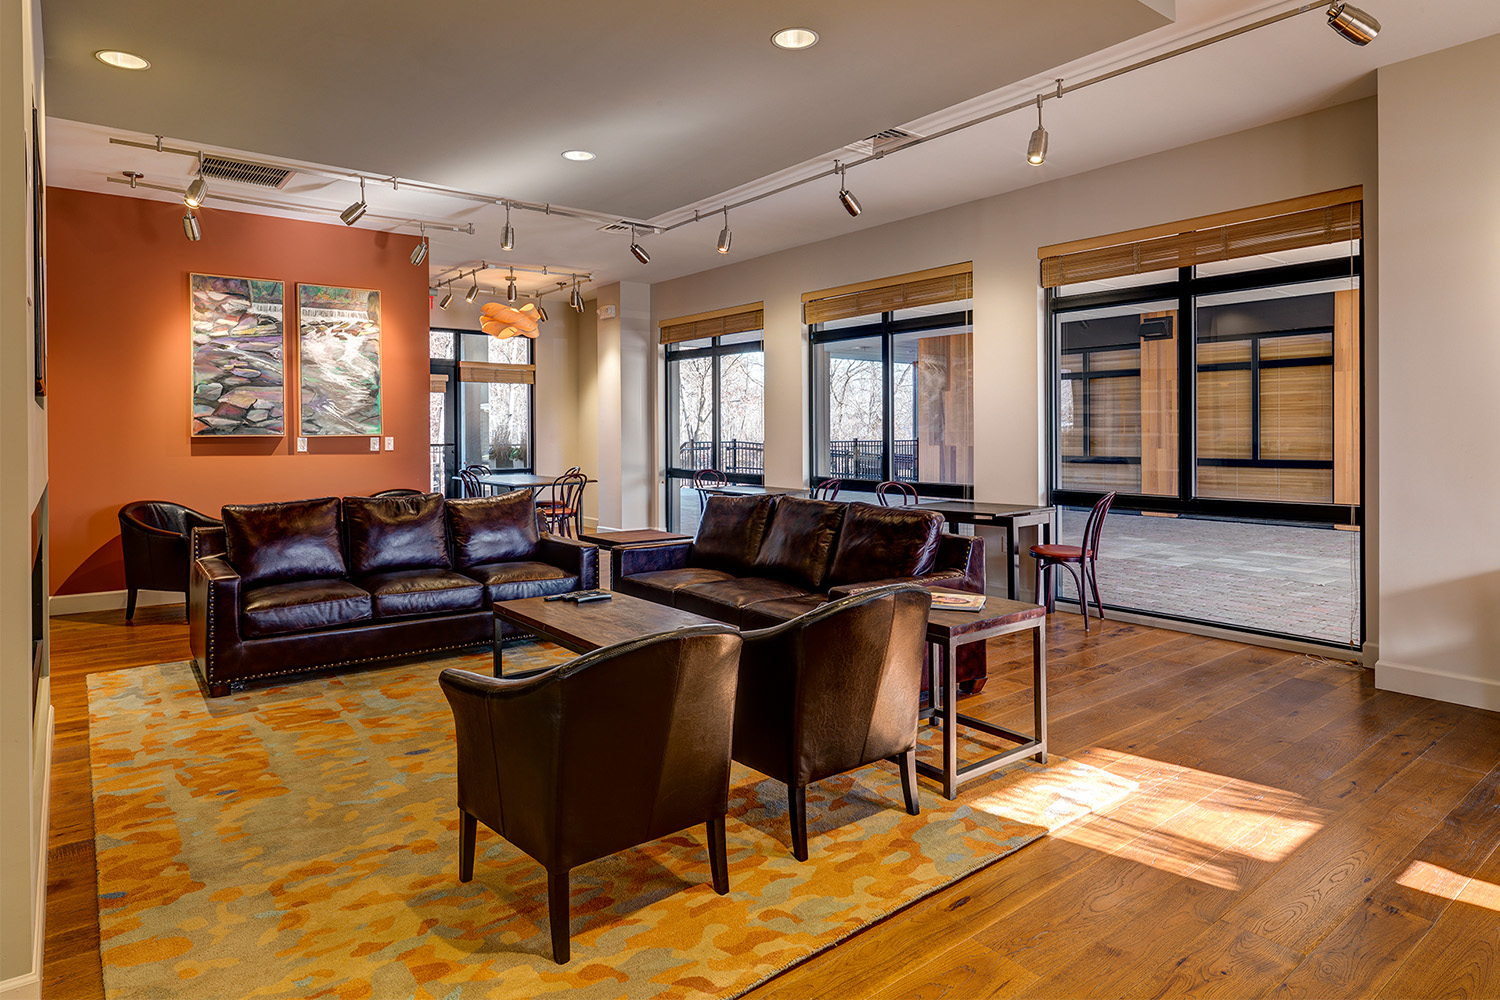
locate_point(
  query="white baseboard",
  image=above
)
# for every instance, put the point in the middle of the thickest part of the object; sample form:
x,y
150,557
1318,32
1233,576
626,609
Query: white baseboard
x,y
108,600
1460,689
1214,632
29,985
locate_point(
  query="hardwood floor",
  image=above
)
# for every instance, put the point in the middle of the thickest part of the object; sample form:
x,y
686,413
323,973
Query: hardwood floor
x,y
1295,833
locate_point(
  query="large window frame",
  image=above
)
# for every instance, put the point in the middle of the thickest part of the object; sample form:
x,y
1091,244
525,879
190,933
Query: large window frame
x,y
453,419
886,328
716,350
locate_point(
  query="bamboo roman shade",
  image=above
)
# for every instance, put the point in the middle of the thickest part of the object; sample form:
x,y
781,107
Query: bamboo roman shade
x,y
721,323
1334,223
437,383
923,288
488,371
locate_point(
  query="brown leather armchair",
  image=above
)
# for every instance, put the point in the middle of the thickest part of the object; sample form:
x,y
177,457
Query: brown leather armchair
x,y
154,535
833,690
619,747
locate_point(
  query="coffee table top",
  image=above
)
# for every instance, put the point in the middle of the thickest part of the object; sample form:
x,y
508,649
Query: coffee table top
x,y
632,536
584,628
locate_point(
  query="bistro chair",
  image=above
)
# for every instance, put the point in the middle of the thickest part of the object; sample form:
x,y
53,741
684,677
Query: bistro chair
x,y
623,746
828,489
705,480
154,535
904,494
562,512
469,477
398,493
1085,556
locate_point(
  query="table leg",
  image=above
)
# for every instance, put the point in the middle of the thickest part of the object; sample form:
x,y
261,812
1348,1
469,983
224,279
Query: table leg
x,y
950,720
1012,559
1039,687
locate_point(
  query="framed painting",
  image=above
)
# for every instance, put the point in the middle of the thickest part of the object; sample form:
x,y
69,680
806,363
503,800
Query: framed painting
x,y
338,361
239,337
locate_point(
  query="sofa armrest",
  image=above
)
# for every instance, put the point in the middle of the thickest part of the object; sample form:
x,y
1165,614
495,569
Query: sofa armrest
x,y
579,558
628,560
213,613
962,555
206,541
951,579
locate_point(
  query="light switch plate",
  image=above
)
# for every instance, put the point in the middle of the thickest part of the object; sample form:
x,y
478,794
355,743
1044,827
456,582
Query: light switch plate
x,y
390,444
302,444
374,444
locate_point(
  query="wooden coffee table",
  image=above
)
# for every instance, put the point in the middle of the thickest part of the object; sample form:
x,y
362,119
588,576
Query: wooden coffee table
x,y
584,628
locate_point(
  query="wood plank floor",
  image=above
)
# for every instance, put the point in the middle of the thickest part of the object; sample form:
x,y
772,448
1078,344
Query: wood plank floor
x,y
1295,833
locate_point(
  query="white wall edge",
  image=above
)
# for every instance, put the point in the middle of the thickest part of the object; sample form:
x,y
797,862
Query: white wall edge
x,y
108,600
29,985
1476,692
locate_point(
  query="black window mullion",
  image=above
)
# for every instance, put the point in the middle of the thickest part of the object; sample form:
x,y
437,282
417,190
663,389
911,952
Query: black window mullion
x,y
888,404
1255,398
1187,387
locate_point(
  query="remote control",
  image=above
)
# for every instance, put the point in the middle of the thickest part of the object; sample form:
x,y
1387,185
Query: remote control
x,y
588,597
555,597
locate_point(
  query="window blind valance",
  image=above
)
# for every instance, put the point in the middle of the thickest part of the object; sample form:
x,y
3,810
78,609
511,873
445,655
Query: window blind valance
x,y
437,383
489,371
1334,223
922,288
719,323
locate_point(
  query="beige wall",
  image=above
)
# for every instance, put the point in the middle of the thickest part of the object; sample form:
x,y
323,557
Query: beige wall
x,y
1318,152
1439,230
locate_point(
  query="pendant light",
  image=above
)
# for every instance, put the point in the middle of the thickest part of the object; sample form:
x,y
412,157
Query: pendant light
x,y
507,235
576,299
510,288
637,250
724,234
846,197
1036,149
190,227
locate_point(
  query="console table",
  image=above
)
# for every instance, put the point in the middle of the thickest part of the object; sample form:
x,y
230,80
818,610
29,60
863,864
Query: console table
x,y
1012,516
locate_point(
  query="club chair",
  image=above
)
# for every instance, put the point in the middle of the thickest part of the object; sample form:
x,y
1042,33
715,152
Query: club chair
x,y
622,746
154,535
833,690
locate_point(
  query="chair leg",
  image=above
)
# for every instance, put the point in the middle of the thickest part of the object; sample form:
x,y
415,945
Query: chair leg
x,y
1091,570
797,813
718,855
1083,594
130,595
908,763
467,828
557,914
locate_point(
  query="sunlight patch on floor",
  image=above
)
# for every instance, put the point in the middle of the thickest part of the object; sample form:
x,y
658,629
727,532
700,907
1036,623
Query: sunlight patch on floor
x,y
1436,881
1193,823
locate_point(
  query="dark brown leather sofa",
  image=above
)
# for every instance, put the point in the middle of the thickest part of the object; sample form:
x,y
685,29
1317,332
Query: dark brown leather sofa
x,y
760,561
312,584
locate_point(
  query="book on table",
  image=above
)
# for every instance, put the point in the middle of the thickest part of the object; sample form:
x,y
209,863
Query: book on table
x,y
949,600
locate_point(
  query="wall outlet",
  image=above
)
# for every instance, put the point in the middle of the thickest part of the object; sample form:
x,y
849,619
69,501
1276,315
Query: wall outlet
x,y
390,444
374,444
302,444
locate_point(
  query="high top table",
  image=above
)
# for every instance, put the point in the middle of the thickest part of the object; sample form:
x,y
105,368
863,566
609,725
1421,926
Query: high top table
x,y
508,481
1012,516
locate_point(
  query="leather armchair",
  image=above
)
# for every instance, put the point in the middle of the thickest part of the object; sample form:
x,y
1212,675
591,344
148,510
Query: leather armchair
x,y
833,690
154,536
619,747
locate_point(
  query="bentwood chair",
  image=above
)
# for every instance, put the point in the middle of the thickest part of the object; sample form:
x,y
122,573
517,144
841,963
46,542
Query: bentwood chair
x,y
155,536
469,477
705,480
562,512
622,746
1085,556
828,489
398,493
904,494
833,690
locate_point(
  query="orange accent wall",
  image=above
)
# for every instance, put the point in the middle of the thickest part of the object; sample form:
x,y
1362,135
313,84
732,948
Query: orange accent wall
x,y
120,381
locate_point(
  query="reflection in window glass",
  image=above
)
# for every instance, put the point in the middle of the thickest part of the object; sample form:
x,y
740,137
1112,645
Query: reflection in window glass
x,y
849,407
497,424
742,413
933,395
690,412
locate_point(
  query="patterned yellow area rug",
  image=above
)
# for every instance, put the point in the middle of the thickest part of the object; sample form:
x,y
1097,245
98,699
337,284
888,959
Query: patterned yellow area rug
x,y
301,841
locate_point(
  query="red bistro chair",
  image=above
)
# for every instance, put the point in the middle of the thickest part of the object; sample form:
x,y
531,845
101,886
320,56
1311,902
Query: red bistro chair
x,y
1086,556
705,480
562,514
828,489
895,494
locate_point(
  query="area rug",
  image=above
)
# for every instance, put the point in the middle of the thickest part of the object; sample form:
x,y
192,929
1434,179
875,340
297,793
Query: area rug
x,y
301,840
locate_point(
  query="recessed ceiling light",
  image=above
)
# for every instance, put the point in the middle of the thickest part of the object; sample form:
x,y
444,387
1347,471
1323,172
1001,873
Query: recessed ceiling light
x,y
794,38
122,60
577,154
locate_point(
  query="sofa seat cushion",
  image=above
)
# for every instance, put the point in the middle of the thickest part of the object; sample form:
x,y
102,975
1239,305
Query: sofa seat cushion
x,y
385,534
730,532
302,606
489,530
769,613
724,600
284,542
881,543
409,593
660,585
511,581
799,542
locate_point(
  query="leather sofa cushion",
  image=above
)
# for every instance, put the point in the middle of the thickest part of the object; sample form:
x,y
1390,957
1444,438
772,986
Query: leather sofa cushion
x,y
303,606
799,541
659,585
730,533
409,593
768,613
390,533
511,581
284,542
724,599
488,530
878,543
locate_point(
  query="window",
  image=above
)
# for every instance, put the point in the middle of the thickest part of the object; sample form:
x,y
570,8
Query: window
x,y
480,408
1224,395
893,382
715,404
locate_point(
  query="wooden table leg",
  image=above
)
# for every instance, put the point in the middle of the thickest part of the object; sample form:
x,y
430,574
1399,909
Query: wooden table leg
x,y
950,720
1039,687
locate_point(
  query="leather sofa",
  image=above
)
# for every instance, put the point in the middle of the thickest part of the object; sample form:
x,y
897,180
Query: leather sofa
x,y
759,561
314,584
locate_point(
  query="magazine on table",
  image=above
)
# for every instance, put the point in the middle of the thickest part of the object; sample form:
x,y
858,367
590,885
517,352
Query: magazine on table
x,y
951,600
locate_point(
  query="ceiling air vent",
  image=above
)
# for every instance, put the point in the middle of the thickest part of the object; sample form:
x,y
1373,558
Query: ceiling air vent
x,y
625,225
883,142
259,174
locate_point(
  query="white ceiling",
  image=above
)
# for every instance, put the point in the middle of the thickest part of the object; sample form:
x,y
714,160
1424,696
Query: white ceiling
x,y
689,108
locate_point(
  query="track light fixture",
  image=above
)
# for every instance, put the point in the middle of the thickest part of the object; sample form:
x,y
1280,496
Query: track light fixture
x,y
507,235
541,310
473,293
724,234
1036,149
420,253
190,227
197,189
638,250
1353,23
846,197
447,298
576,299
510,288
354,212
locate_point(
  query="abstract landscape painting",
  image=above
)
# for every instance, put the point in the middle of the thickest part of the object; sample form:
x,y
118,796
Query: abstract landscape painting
x,y
238,381
339,361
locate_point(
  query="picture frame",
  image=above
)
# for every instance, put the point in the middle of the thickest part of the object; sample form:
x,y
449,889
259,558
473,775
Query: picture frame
x,y
338,361
238,352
